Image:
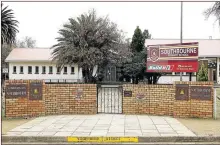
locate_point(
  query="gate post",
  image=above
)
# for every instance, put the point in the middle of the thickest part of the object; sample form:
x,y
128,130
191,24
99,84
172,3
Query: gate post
x,y
214,104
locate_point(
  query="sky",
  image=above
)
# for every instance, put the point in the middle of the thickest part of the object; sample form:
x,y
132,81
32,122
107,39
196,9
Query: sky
x,y
42,20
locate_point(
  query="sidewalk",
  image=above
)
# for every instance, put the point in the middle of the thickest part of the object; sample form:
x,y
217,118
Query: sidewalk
x,y
202,127
142,128
102,125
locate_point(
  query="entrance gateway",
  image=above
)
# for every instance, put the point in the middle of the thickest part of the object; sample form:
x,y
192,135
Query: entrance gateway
x,y
109,99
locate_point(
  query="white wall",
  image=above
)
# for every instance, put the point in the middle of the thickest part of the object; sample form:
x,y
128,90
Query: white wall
x,y
47,76
172,79
77,74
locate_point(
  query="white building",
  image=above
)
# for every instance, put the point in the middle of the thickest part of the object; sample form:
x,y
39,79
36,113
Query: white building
x,y
36,63
208,49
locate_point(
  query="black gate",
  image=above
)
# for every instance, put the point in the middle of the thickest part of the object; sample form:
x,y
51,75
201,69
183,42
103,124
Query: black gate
x,y
109,99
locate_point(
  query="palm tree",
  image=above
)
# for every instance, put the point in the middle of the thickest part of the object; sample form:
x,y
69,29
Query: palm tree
x,y
214,10
9,26
86,41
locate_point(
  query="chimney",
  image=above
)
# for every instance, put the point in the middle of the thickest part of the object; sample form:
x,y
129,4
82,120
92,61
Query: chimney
x,y
210,37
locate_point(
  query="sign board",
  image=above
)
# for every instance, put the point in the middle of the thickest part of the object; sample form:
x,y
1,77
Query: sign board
x,y
140,96
182,92
127,93
173,57
79,93
200,92
16,90
5,70
35,91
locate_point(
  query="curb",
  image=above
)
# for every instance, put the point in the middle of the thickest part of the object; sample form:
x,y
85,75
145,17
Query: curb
x,y
51,139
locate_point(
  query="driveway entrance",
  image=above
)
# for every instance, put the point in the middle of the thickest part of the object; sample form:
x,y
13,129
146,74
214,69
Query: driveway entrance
x,y
102,125
109,99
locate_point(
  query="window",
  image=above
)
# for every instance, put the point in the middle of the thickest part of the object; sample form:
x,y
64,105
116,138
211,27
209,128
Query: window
x,y
65,70
50,70
58,70
29,69
36,70
177,73
72,70
21,70
43,70
169,73
14,69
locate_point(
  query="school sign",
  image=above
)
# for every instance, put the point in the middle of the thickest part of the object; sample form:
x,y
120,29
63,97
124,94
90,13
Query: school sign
x,y
172,57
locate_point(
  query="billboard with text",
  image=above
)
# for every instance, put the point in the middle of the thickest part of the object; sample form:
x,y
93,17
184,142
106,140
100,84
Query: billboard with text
x,y
173,57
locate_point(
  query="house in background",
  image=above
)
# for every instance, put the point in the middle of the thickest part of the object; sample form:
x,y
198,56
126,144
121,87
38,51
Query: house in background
x,y
209,49
36,63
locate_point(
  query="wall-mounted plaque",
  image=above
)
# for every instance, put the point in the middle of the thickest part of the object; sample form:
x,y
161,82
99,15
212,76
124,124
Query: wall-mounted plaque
x,y
16,90
182,92
200,92
79,93
35,91
127,93
140,96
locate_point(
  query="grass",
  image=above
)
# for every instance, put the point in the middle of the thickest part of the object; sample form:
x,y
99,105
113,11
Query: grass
x,y
218,91
8,125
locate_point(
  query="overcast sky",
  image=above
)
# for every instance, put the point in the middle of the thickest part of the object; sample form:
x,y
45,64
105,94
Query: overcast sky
x,y
42,20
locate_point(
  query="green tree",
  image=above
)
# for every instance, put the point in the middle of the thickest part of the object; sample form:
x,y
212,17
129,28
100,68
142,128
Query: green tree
x,y
89,41
137,43
203,73
214,10
135,64
9,26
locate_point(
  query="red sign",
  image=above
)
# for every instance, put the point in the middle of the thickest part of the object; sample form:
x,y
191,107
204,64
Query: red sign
x,y
173,57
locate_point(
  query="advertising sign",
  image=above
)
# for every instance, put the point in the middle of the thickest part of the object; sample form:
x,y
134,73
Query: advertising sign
x,y
173,57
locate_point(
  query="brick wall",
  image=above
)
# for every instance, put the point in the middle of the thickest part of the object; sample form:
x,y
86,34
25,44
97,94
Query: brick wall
x,y
194,107
158,99
23,106
61,99
56,99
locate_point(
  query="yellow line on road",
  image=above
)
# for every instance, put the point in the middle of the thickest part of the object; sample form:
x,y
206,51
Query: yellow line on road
x,y
102,139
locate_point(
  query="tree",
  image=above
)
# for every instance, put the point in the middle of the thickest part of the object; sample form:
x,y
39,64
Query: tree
x,y
137,43
146,35
135,66
26,42
9,26
6,49
214,10
203,73
89,41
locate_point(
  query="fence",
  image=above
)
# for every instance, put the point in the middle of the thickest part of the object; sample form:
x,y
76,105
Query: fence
x,y
36,98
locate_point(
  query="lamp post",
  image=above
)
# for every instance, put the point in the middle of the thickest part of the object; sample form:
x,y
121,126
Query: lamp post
x,y
181,31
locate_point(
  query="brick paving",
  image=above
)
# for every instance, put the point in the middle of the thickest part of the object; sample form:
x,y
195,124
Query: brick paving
x,y
102,125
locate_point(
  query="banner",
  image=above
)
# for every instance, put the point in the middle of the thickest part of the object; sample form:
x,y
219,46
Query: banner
x,y
173,57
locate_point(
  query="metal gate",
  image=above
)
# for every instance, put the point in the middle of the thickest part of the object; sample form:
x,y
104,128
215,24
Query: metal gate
x,y
109,99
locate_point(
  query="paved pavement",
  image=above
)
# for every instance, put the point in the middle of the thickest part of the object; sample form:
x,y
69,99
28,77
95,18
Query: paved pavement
x,y
102,125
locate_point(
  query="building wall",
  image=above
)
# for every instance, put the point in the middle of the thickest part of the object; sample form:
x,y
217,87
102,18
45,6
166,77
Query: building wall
x,y
25,76
172,79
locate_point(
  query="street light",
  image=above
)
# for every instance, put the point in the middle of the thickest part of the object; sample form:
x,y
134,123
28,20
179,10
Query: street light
x,y
181,31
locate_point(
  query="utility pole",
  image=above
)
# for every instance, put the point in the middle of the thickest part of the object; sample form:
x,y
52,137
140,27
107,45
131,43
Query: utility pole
x,y
181,32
